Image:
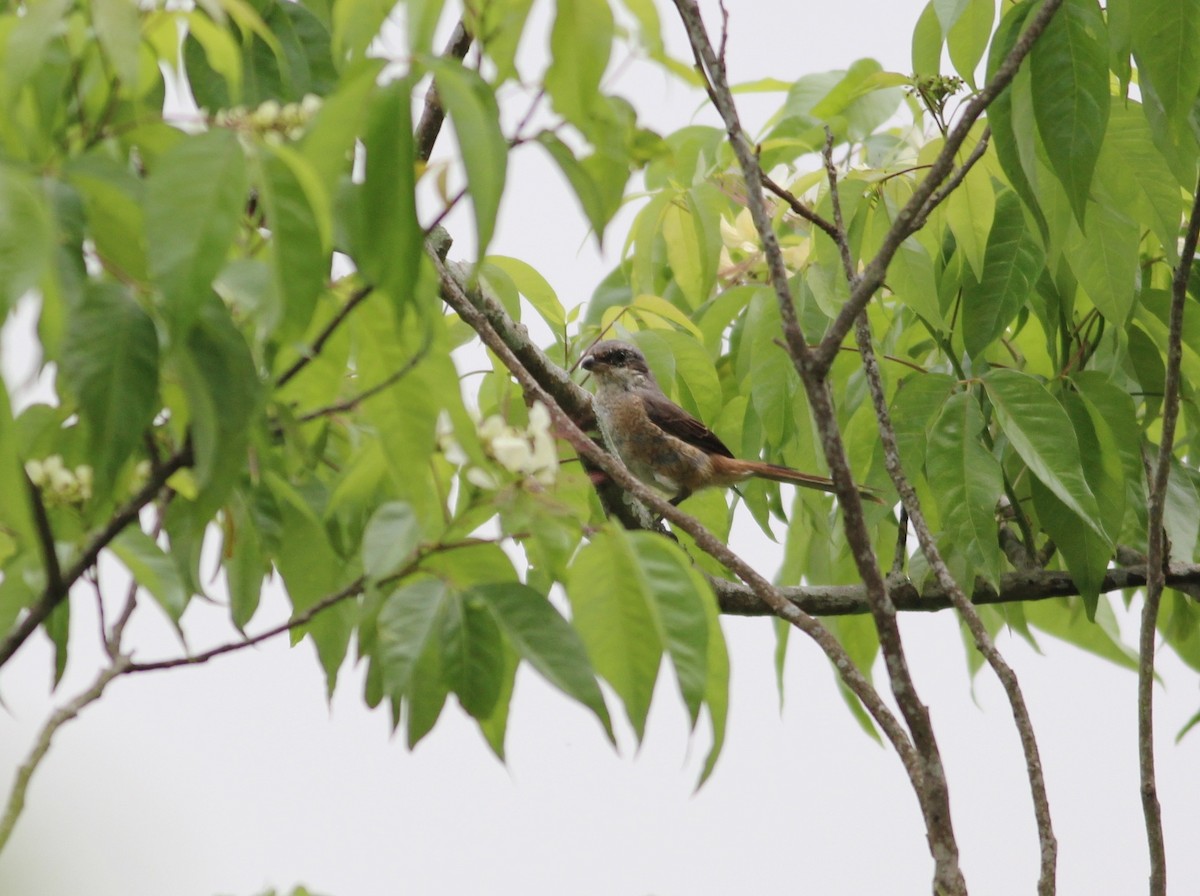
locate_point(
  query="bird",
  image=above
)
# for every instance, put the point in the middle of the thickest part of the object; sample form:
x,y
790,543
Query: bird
x,y
660,442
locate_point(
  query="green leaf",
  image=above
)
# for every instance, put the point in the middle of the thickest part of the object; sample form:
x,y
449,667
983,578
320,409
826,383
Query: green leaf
x,y
1011,266
153,570
501,25
223,390
535,288
543,638
26,237
1042,435
110,363
581,40
312,570
118,32
472,654
472,107
927,43
680,597
407,622
1166,46
298,260
1069,66
1104,257
390,539
1010,115
967,38
967,482
113,196
970,211
206,175
614,617
1137,175
389,241
599,204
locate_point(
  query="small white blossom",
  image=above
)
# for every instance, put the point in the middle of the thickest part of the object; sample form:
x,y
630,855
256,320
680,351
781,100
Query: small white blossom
x,y
481,478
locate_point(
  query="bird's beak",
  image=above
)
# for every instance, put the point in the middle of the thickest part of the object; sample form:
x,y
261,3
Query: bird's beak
x,y
588,363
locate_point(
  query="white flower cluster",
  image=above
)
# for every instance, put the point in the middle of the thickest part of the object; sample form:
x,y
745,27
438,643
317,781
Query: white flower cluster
x,y
271,119
528,453
63,485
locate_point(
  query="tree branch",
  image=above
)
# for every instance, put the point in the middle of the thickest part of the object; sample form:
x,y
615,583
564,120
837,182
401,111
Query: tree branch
x,y
55,593
434,114
16,797
1157,557
1015,587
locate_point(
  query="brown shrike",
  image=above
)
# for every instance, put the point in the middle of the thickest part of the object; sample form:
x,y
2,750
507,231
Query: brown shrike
x,y
660,442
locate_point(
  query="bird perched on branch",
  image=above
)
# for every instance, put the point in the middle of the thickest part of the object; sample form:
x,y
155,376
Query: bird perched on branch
x,y
660,442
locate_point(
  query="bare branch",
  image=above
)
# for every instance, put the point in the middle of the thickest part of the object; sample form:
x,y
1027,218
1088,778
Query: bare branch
x,y
1157,557
352,590
1015,587
16,797
434,114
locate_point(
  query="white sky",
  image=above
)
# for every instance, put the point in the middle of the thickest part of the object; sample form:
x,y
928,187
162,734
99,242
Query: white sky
x,y
237,776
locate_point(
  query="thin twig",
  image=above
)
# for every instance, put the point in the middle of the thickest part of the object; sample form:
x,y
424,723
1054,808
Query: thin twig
x,y
45,533
352,590
1157,557
839,223
354,401
800,208
16,797
329,329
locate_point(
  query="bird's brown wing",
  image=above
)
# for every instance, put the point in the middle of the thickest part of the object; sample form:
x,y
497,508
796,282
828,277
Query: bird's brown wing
x,y
675,421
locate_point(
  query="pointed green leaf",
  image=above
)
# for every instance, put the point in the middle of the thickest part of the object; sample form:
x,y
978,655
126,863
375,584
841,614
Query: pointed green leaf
x,y
679,594
1041,433
967,38
1069,66
543,638
581,40
16,513
927,43
110,363
205,174
967,482
1166,45
472,654
153,570
970,211
388,241
1011,266
616,621
407,621
476,119
298,261
534,287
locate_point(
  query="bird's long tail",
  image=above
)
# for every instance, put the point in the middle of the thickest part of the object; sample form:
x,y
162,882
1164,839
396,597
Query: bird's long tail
x,y
777,473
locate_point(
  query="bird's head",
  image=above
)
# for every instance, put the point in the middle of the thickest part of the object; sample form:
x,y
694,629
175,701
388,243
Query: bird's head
x,y
613,362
